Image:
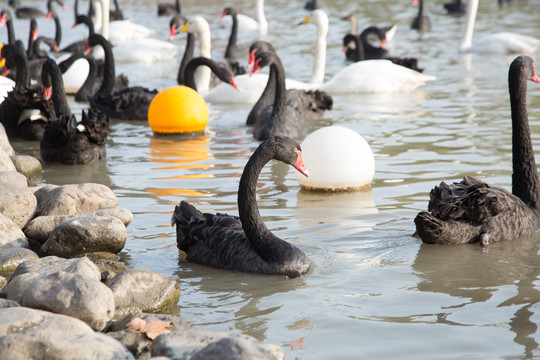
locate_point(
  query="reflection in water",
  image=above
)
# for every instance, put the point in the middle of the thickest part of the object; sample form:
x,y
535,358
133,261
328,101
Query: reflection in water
x,y
473,273
180,152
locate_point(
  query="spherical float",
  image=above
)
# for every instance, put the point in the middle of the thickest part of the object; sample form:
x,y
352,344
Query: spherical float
x,y
338,159
177,109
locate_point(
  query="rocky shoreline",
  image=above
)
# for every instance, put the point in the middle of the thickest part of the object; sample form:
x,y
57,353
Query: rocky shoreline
x,y
65,295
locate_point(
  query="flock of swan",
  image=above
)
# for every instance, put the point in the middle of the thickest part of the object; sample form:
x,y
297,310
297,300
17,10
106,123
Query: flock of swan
x,y
465,212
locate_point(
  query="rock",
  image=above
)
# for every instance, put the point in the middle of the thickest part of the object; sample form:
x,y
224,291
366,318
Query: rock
x,y
31,270
4,304
34,334
43,191
3,282
11,258
86,234
230,349
147,290
17,203
5,161
74,295
10,234
185,344
26,165
40,227
75,199
14,177
110,265
4,141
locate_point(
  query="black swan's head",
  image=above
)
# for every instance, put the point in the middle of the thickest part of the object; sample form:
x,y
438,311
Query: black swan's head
x,y
257,47
176,24
286,150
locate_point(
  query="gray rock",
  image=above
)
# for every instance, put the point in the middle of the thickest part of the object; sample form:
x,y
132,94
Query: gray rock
x,y
10,234
40,228
110,265
16,286
230,349
75,199
17,203
185,344
42,192
3,282
85,235
26,165
74,295
11,258
5,161
34,334
51,264
4,304
147,290
13,177
4,141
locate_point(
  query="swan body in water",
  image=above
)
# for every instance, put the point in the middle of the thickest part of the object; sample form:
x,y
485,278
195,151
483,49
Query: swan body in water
x,y
472,211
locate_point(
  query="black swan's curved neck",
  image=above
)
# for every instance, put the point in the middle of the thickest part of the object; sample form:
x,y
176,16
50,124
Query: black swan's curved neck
x,y
10,31
280,97
51,76
109,74
84,19
189,73
88,85
230,52
31,39
188,55
365,42
525,182
266,98
358,52
420,8
177,6
58,33
21,65
256,231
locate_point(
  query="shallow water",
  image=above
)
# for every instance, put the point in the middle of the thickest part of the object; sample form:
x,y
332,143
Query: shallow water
x,y
374,291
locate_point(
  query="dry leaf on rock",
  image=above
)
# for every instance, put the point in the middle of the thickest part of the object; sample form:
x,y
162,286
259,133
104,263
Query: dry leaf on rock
x,y
151,328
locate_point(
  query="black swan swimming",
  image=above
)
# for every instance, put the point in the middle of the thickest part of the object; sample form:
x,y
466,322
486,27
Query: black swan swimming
x,y
80,46
166,9
222,71
24,112
472,211
64,138
130,103
243,243
287,115
26,12
357,53
421,22
7,19
231,52
175,25
268,94
456,7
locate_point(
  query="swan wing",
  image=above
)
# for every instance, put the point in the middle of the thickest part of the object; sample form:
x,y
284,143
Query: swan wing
x,y
126,30
147,50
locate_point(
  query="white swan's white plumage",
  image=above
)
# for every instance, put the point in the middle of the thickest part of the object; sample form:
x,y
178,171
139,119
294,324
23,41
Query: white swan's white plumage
x,y
130,40
247,24
338,159
498,43
75,76
6,85
361,77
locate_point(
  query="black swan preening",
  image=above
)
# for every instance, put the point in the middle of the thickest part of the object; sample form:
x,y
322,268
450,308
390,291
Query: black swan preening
x,y
421,22
24,112
130,103
472,211
243,243
64,138
222,71
287,115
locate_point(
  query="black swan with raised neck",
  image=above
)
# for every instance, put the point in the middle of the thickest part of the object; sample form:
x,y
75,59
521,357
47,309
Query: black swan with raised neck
x,y
65,139
130,103
288,113
472,211
222,71
243,243
231,52
24,112
421,22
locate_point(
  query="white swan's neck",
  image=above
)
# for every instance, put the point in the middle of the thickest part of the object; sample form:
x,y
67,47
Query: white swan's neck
x,y
321,21
102,15
466,40
261,18
203,73
97,18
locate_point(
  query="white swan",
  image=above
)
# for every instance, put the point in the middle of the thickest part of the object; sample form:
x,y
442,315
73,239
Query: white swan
x,y
247,24
251,86
130,40
499,43
371,76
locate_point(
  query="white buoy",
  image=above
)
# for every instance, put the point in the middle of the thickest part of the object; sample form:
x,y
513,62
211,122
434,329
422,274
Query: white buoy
x,y
338,159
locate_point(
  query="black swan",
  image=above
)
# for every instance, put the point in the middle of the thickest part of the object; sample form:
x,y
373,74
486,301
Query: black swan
x,y
421,22
7,19
64,139
218,68
166,9
287,115
456,7
232,49
311,5
472,211
130,103
32,36
243,243
25,12
58,26
175,25
117,13
80,46
24,111
268,94
358,54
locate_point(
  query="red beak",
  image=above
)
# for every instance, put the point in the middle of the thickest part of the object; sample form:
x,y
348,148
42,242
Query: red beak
x,y
173,32
48,17
3,20
88,49
5,72
223,15
47,93
299,164
383,43
535,77
235,84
